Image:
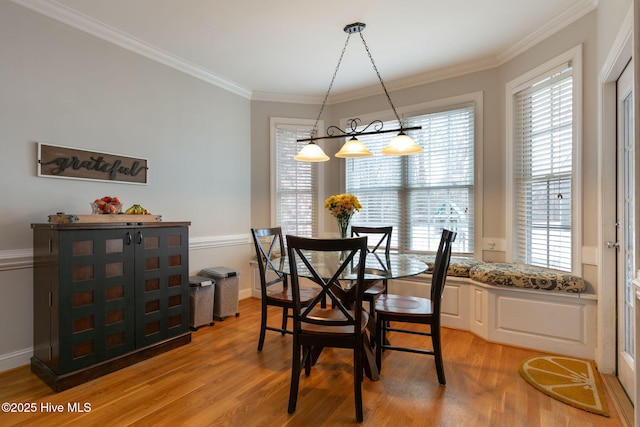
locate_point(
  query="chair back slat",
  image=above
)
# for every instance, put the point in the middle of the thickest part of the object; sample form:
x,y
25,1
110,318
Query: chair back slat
x,y
441,265
268,244
339,256
381,236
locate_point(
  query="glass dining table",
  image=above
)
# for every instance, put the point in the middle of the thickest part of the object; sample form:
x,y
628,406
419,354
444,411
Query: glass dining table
x,y
377,267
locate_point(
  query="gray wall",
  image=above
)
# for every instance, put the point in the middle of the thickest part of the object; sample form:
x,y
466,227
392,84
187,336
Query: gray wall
x,y
208,166
61,86
491,83
596,31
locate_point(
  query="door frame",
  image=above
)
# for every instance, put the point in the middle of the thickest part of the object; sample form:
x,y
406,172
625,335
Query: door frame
x,y
619,56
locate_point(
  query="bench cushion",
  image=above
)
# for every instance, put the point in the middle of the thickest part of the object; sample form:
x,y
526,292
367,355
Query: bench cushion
x,y
526,276
459,266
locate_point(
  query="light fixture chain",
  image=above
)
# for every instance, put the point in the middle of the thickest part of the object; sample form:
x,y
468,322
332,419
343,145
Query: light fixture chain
x,y
380,78
326,95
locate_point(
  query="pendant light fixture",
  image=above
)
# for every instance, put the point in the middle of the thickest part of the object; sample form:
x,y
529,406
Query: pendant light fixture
x,y
401,145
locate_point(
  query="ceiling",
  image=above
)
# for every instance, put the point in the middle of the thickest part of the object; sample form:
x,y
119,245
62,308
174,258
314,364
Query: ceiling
x,y
289,49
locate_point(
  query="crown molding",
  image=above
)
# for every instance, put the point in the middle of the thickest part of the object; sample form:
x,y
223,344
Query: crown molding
x,y
287,98
61,13
558,23
561,21
416,80
374,90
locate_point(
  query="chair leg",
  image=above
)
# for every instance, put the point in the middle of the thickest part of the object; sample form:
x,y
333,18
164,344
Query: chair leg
x,y
372,318
295,378
307,361
285,314
263,327
437,352
380,336
372,306
357,381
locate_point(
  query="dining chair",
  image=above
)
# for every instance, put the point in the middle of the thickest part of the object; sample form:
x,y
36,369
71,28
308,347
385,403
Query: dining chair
x,y
381,242
274,287
345,324
409,309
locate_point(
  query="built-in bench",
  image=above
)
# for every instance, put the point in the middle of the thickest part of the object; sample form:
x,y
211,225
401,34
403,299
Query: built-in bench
x,y
512,274
514,304
507,303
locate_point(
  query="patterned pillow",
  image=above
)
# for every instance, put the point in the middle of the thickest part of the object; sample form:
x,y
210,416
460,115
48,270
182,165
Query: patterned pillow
x,y
526,276
459,266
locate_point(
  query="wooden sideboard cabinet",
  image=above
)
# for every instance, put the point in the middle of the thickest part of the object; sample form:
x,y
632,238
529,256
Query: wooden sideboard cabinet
x,y
107,295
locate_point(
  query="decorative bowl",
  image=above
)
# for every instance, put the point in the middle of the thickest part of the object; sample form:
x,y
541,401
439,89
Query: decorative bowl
x,y
106,208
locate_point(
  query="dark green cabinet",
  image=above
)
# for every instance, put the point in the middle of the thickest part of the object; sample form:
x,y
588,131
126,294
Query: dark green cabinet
x,y
107,295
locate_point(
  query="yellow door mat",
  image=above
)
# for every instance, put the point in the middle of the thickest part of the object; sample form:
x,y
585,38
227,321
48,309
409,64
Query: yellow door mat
x,y
572,381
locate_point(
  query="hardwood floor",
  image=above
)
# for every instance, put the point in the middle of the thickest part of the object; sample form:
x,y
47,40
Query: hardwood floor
x,y
221,380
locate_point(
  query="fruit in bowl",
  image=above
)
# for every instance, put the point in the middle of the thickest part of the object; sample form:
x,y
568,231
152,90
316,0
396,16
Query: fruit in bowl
x,y
106,205
136,210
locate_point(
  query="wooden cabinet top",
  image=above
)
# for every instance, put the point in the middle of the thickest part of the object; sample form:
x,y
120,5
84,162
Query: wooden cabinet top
x,y
109,225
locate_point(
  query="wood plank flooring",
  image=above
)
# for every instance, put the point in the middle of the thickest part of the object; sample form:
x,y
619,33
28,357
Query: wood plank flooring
x,y
221,380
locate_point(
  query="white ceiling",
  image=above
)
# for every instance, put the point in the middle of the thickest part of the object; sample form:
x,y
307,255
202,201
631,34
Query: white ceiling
x,y
289,49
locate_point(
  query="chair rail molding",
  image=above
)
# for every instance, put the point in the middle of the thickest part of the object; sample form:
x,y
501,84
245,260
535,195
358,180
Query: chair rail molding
x,y
209,242
16,259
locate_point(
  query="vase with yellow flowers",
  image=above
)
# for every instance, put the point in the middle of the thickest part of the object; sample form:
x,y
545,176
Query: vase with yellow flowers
x,y
343,206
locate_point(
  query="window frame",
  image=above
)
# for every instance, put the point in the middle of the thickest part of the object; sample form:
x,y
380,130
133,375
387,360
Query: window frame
x,y
274,122
512,88
445,104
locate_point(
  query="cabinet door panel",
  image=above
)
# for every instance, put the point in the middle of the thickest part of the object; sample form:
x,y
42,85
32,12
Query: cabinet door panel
x,y
162,270
96,297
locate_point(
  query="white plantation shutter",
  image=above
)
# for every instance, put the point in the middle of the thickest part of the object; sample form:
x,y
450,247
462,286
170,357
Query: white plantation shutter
x,y
296,193
377,181
421,194
543,166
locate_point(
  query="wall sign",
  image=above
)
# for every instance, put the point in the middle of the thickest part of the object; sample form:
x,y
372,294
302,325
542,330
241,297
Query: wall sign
x,y
56,161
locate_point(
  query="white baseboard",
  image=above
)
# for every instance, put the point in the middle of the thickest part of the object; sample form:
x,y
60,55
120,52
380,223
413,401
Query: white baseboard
x,y
244,294
17,358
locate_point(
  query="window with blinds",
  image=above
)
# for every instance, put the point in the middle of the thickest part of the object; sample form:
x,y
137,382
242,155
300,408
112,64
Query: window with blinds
x,y
543,169
421,194
294,184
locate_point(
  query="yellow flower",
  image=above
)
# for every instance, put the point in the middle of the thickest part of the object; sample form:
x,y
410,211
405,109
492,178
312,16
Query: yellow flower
x,y
342,206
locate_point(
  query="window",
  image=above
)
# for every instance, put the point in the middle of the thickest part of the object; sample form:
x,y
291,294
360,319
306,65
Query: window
x,y
419,195
294,185
543,167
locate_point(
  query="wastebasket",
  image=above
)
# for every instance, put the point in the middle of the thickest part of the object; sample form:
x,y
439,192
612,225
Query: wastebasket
x,y
201,291
226,290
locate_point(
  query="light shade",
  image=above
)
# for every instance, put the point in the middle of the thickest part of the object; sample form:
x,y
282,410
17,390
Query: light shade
x,y
353,148
401,145
311,153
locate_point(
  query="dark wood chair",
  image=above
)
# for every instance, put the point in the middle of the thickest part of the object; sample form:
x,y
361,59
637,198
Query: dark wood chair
x,y
274,287
345,325
407,309
379,241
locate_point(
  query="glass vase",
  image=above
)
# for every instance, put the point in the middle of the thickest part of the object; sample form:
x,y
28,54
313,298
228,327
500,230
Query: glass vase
x,y
343,226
